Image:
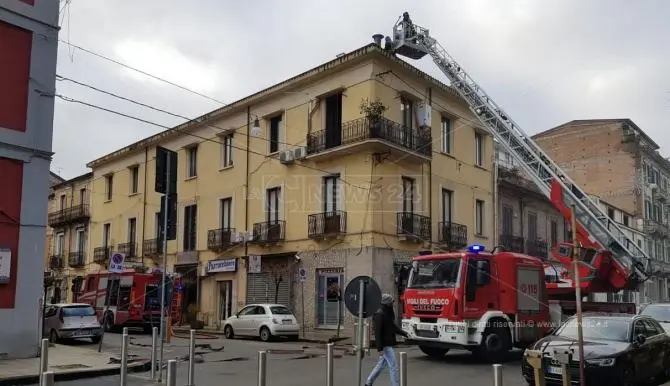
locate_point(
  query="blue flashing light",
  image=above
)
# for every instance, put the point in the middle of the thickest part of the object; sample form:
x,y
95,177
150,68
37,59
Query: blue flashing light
x,y
476,248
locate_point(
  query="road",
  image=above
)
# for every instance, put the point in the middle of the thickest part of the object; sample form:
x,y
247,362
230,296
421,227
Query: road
x,y
301,364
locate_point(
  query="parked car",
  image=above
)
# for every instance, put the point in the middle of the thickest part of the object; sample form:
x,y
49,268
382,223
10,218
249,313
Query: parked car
x,y
619,349
71,321
660,312
262,320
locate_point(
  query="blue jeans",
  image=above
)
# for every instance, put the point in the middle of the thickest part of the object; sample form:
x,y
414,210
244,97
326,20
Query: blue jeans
x,y
386,358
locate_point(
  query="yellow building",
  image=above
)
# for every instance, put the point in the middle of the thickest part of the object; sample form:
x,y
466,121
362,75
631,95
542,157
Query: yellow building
x,y
347,174
68,221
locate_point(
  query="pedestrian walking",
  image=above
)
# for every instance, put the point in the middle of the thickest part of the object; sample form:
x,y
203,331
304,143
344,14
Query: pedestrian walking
x,y
385,331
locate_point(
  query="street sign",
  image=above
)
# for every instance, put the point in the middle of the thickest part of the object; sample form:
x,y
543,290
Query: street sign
x,y
372,296
302,275
116,262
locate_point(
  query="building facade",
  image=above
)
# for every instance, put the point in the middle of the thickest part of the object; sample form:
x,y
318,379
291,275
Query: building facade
x,y
68,220
54,179
347,169
616,161
28,42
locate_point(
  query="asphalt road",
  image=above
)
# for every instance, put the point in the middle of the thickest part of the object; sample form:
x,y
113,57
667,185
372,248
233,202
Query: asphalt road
x,y
301,364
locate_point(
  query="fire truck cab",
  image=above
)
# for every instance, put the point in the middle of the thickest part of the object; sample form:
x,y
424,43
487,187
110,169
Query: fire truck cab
x,y
483,302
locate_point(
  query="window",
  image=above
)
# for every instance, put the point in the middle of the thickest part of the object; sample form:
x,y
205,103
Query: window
x,y
190,226
610,213
446,135
134,179
109,187
226,213
507,220
626,220
227,151
60,244
532,226
407,109
272,205
81,240
275,129
192,162
479,149
132,230
553,232
447,202
63,201
479,217
106,234
408,195
330,193
82,196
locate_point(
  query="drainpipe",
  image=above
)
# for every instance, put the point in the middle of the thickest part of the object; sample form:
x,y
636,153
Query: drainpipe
x,y
430,174
246,186
144,203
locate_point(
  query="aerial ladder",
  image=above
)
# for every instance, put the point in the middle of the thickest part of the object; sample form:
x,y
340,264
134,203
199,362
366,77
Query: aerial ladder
x,y
609,259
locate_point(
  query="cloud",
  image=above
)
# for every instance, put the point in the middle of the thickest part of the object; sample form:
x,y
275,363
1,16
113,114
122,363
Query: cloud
x,y
545,62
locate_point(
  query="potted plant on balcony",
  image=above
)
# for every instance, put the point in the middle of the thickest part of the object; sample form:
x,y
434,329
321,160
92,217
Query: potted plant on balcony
x,y
373,112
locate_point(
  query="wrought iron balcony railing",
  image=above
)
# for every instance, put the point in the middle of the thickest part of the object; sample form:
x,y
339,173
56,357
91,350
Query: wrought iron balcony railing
x,y
68,215
268,232
537,248
56,262
222,238
101,254
326,224
415,226
77,259
453,235
511,243
152,247
129,249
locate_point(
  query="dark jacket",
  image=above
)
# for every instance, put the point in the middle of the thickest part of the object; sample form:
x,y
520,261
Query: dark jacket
x,y
386,327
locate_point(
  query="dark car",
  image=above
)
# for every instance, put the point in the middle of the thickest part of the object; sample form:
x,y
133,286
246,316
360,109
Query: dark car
x,y
619,349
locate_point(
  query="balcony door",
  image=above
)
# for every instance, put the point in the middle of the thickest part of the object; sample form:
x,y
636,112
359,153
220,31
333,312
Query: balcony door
x,y
407,110
408,195
60,244
273,228
331,204
333,120
81,241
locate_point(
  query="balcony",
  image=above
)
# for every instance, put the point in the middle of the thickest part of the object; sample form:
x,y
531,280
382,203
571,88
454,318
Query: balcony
x,y
78,213
56,262
381,136
220,239
152,248
269,232
453,235
537,248
77,259
655,228
413,227
102,254
129,249
326,224
511,243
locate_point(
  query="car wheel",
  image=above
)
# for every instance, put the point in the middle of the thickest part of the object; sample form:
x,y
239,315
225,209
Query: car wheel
x,y
265,334
53,336
96,339
228,332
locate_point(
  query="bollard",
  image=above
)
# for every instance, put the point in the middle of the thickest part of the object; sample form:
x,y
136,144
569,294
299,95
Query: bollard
x,y
44,359
329,364
191,359
497,375
534,359
563,357
262,364
154,351
403,369
124,357
48,378
171,373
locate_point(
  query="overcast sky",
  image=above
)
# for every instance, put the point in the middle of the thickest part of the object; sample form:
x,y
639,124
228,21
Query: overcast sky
x,y
545,61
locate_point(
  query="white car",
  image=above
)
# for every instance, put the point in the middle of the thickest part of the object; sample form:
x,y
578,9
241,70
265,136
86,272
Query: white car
x,y
660,312
71,321
263,320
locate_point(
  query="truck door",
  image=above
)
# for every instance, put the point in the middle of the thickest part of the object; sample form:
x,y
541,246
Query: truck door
x,y
481,291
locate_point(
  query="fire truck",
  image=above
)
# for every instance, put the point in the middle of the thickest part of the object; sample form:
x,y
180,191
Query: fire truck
x,y
490,302
130,298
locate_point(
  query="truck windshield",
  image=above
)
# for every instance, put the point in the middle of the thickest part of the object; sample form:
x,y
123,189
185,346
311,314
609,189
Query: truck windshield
x,y
437,273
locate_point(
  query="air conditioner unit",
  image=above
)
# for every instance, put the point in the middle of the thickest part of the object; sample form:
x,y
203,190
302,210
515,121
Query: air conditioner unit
x,y
237,237
286,157
300,153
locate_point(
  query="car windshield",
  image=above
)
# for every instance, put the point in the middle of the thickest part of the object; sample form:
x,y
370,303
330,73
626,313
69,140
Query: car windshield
x,y
434,273
660,312
78,311
280,310
599,328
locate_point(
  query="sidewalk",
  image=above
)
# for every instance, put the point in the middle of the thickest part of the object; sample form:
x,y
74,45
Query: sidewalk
x,y
67,362
318,336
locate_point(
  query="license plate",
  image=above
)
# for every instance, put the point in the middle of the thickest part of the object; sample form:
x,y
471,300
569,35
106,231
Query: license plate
x,y
425,327
81,332
555,370
287,321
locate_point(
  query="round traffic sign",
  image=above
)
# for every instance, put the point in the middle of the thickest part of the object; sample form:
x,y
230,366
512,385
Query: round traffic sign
x,y
117,258
372,296
302,272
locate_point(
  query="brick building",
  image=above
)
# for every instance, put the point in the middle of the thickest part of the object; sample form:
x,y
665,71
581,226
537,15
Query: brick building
x,y
616,161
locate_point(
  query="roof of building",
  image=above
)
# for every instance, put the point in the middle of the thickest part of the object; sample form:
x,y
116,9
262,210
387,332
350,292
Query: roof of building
x,y
55,178
267,92
82,177
595,122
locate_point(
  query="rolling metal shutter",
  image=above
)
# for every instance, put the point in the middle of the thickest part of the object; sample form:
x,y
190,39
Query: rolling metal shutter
x,y
261,289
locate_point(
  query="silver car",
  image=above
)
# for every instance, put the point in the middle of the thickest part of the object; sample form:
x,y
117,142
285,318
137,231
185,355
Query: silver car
x,y
71,321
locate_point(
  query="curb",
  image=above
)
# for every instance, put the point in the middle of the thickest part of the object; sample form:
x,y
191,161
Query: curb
x,y
137,367
304,340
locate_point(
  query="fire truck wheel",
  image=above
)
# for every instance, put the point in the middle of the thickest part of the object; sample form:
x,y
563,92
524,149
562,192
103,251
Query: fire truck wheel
x,y
434,352
496,343
265,333
228,332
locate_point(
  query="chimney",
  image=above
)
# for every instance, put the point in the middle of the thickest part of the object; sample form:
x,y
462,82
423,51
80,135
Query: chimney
x,y
378,39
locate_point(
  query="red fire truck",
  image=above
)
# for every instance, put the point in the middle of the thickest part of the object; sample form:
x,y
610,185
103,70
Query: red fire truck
x,y
130,298
491,302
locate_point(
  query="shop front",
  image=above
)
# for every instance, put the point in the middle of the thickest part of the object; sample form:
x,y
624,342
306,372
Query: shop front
x,y
270,279
222,279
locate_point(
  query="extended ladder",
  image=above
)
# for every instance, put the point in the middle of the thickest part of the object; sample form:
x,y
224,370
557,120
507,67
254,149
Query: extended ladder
x,y
415,42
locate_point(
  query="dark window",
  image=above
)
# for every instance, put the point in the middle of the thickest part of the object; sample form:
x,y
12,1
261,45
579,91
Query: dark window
x,y
134,179
227,151
532,226
507,220
479,149
626,220
192,161
447,202
272,207
331,193
553,232
479,217
610,213
275,128
109,187
190,227
446,135
226,215
408,194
